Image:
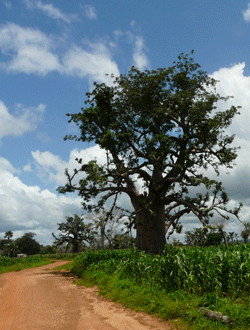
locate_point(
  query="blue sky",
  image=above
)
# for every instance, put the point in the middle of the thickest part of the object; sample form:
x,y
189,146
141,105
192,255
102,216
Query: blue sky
x,y
51,52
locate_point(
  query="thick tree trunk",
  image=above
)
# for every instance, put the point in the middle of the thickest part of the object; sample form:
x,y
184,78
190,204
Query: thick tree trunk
x,y
75,247
150,230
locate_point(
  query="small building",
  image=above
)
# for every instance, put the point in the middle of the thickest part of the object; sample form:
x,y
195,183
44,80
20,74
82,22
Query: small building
x,y
21,255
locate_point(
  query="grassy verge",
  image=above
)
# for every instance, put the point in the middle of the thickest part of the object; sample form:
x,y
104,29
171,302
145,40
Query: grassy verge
x,y
15,264
67,266
131,278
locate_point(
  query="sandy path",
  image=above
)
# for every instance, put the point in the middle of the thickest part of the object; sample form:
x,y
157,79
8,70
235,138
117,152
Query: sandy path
x,y
39,299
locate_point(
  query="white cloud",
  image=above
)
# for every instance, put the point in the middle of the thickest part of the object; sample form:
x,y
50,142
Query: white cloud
x,y
233,82
5,165
30,50
51,167
27,168
89,11
95,63
50,10
246,13
26,208
140,58
26,119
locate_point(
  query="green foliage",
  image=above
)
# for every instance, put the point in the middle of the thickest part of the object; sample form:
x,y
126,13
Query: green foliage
x,y
245,231
27,244
123,241
8,264
164,127
48,249
8,234
224,270
174,285
73,232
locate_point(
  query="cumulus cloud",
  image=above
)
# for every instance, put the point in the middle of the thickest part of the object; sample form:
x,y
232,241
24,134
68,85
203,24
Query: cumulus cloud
x,y
30,50
25,120
140,58
50,10
233,82
94,63
89,11
246,13
51,167
26,208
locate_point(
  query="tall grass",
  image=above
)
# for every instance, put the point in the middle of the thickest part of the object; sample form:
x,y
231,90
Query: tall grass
x,y
198,270
175,284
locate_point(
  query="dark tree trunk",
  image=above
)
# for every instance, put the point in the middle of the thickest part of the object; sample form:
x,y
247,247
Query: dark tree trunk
x,y
75,247
150,230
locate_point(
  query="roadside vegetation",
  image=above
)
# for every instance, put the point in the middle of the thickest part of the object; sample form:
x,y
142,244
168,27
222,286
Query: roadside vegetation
x,y
175,285
8,264
183,285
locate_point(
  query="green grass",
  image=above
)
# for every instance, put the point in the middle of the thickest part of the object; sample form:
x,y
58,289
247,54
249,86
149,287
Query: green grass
x,y
15,264
67,266
173,286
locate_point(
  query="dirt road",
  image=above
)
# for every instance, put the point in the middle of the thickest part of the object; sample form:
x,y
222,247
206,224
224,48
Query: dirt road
x,y
39,299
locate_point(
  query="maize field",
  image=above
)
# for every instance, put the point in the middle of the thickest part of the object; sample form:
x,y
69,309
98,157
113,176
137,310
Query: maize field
x,y
224,270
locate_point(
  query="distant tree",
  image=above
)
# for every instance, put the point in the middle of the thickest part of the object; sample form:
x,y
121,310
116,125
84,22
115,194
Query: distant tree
x,y
27,244
196,237
122,241
48,249
203,236
105,224
220,227
8,235
232,237
3,243
213,238
73,232
162,127
245,232
7,245
176,242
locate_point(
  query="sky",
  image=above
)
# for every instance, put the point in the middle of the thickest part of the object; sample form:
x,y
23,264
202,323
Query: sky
x,y
51,52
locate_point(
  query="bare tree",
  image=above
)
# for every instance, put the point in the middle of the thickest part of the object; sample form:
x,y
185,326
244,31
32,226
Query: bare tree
x,y
107,224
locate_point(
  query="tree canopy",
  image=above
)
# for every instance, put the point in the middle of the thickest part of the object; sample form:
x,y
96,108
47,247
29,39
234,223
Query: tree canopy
x,y
73,232
27,244
161,130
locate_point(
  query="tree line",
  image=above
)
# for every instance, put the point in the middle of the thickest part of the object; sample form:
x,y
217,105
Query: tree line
x,y
106,232
215,235
76,234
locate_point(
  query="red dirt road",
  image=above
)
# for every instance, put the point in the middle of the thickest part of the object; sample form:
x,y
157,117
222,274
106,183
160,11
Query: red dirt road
x,y
40,299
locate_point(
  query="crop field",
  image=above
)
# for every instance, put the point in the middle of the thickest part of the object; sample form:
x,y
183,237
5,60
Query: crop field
x,y
177,283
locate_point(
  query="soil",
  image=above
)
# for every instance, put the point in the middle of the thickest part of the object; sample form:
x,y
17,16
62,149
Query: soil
x,y
43,299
